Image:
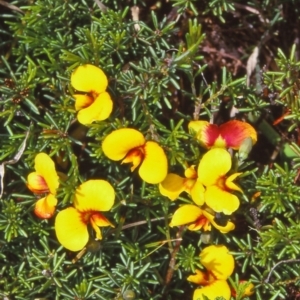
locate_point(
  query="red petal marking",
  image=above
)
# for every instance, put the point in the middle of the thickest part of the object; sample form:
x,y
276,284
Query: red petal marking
x,y
210,134
234,132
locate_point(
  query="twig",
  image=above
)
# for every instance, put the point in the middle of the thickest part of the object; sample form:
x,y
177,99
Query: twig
x,y
11,6
173,257
140,223
252,10
135,11
102,7
198,103
279,263
11,162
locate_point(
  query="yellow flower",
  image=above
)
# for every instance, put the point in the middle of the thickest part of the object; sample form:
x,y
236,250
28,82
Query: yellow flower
x,y
219,265
173,185
71,224
197,218
212,171
130,145
44,181
229,135
95,104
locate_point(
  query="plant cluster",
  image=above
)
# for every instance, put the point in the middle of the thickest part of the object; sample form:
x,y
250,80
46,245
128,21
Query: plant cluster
x,y
142,157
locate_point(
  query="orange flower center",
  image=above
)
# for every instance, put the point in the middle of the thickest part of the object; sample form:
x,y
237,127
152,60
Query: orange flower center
x,y
86,216
202,222
134,156
208,278
188,184
92,216
93,94
221,183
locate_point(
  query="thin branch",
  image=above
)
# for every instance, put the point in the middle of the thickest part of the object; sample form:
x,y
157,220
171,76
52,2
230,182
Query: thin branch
x,y
172,262
279,263
11,6
11,162
102,7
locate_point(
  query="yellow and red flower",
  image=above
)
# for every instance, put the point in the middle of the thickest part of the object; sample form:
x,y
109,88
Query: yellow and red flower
x,y
197,219
131,146
71,224
44,181
219,264
229,135
212,171
95,104
173,185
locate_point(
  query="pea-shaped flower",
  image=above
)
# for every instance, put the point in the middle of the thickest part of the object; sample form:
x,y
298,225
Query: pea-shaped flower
x,y
212,173
173,185
44,181
219,264
71,224
231,134
131,146
197,219
94,104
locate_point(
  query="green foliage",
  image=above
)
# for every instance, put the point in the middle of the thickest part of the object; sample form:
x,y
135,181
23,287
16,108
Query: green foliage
x,y
161,76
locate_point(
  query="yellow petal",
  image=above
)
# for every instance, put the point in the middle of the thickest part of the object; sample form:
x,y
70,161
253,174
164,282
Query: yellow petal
x,y
224,229
45,207
118,143
97,230
206,133
186,214
214,164
154,167
235,132
197,193
94,195
218,260
99,110
190,172
98,220
232,186
219,143
196,126
134,157
198,278
172,186
218,288
221,201
70,229
82,101
89,78
36,183
45,167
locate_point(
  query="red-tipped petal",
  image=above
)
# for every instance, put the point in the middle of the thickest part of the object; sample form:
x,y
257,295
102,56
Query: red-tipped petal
x,y
235,132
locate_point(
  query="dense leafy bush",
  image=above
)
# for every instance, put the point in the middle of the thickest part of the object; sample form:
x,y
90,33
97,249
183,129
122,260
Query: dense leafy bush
x,y
167,63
